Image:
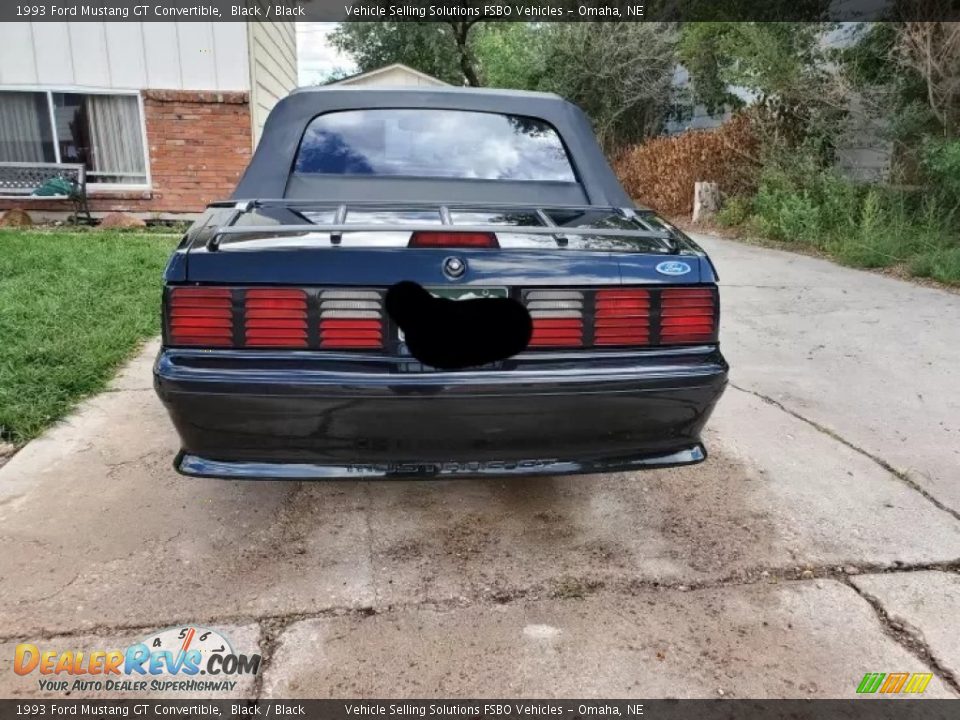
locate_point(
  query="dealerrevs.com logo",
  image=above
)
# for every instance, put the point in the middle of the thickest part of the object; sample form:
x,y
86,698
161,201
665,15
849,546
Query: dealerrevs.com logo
x,y
181,659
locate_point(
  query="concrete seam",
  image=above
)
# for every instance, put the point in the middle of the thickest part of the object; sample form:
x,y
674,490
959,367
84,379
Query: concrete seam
x,y
909,641
273,625
899,474
270,632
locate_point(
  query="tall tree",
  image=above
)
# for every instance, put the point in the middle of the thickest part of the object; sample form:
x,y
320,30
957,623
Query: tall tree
x,y
441,49
932,49
510,54
619,73
785,67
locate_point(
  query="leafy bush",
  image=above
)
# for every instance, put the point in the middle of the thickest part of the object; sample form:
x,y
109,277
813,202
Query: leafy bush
x,y
784,211
940,160
878,239
870,226
942,265
736,210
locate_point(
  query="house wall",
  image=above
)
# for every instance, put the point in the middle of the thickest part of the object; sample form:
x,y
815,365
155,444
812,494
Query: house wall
x,y
206,90
126,56
199,145
273,68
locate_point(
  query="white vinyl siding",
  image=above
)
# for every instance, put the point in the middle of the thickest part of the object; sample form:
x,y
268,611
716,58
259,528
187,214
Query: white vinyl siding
x,y
90,43
273,68
161,43
125,56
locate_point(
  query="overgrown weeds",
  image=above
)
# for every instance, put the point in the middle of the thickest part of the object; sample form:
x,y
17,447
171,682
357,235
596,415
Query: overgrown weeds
x,y
864,225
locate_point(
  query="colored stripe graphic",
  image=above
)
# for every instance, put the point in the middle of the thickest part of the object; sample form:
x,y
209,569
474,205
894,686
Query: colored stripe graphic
x,y
918,682
870,682
894,682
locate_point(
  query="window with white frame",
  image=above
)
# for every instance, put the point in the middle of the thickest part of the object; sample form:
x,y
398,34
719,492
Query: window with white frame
x,y
102,131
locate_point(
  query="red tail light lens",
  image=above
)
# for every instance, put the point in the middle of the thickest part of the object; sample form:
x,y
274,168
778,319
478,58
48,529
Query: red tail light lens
x,y
549,332
351,319
557,317
622,317
275,318
201,316
431,239
687,315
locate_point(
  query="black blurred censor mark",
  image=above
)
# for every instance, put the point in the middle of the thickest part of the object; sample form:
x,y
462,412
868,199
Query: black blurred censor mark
x,y
454,334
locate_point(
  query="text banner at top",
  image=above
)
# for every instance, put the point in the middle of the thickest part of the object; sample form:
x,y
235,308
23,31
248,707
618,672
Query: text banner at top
x,y
476,10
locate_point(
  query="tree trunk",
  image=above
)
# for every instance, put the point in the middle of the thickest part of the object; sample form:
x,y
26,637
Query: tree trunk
x,y
461,30
706,200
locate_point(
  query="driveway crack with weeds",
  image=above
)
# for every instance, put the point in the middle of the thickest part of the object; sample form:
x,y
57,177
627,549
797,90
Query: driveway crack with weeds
x,y
909,641
273,625
899,474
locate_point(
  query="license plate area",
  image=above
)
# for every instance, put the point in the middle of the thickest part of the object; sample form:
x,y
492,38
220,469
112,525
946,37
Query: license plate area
x,y
468,293
462,293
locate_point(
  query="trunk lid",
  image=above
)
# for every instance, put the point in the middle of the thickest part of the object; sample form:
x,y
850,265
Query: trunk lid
x,y
382,267
366,245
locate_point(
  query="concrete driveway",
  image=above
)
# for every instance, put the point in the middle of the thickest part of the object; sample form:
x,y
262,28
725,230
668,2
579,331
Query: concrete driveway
x,y
819,542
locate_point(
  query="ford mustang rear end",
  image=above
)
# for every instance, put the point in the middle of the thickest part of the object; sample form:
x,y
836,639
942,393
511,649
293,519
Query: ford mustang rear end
x,y
279,359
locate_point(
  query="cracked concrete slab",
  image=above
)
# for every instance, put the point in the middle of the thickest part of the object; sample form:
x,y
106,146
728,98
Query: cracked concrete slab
x,y
776,493
927,604
243,639
116,519
97,531
799,640
875,359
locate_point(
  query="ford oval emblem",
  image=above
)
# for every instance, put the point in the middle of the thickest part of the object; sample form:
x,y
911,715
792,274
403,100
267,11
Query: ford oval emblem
x,y
673,267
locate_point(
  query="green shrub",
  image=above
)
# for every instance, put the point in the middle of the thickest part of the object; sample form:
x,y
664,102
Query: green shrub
x,y
942,264
940,160
863,225
785,211
736,210
875,239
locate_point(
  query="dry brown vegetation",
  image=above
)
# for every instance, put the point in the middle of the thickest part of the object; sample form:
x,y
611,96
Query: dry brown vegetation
x,y
661,172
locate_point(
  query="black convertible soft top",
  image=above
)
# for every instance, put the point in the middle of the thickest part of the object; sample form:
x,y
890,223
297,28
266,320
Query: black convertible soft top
x,y
270,176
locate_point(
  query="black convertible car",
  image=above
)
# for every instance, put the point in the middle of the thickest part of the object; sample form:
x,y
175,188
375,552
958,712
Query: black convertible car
x,y
280,358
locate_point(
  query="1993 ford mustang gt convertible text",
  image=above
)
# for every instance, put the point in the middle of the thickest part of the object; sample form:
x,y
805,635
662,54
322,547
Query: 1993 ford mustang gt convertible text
x,y
280,358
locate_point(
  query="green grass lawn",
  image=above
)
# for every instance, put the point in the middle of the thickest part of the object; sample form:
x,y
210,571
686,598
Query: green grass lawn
x,y
73,307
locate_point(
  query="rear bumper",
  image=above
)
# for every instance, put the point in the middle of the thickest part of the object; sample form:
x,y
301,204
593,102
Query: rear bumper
x,y
302,416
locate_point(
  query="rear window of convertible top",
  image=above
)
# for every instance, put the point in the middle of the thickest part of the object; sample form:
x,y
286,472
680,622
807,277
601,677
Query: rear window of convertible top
x,y
431,143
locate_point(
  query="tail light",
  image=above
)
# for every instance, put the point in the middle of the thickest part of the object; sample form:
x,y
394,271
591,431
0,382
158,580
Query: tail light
x,y
351,319
687,315
557,317
622,317
275,318
432,239
201,316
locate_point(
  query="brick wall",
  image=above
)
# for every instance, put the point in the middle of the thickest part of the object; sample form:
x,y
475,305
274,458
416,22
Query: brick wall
x,y
199,145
